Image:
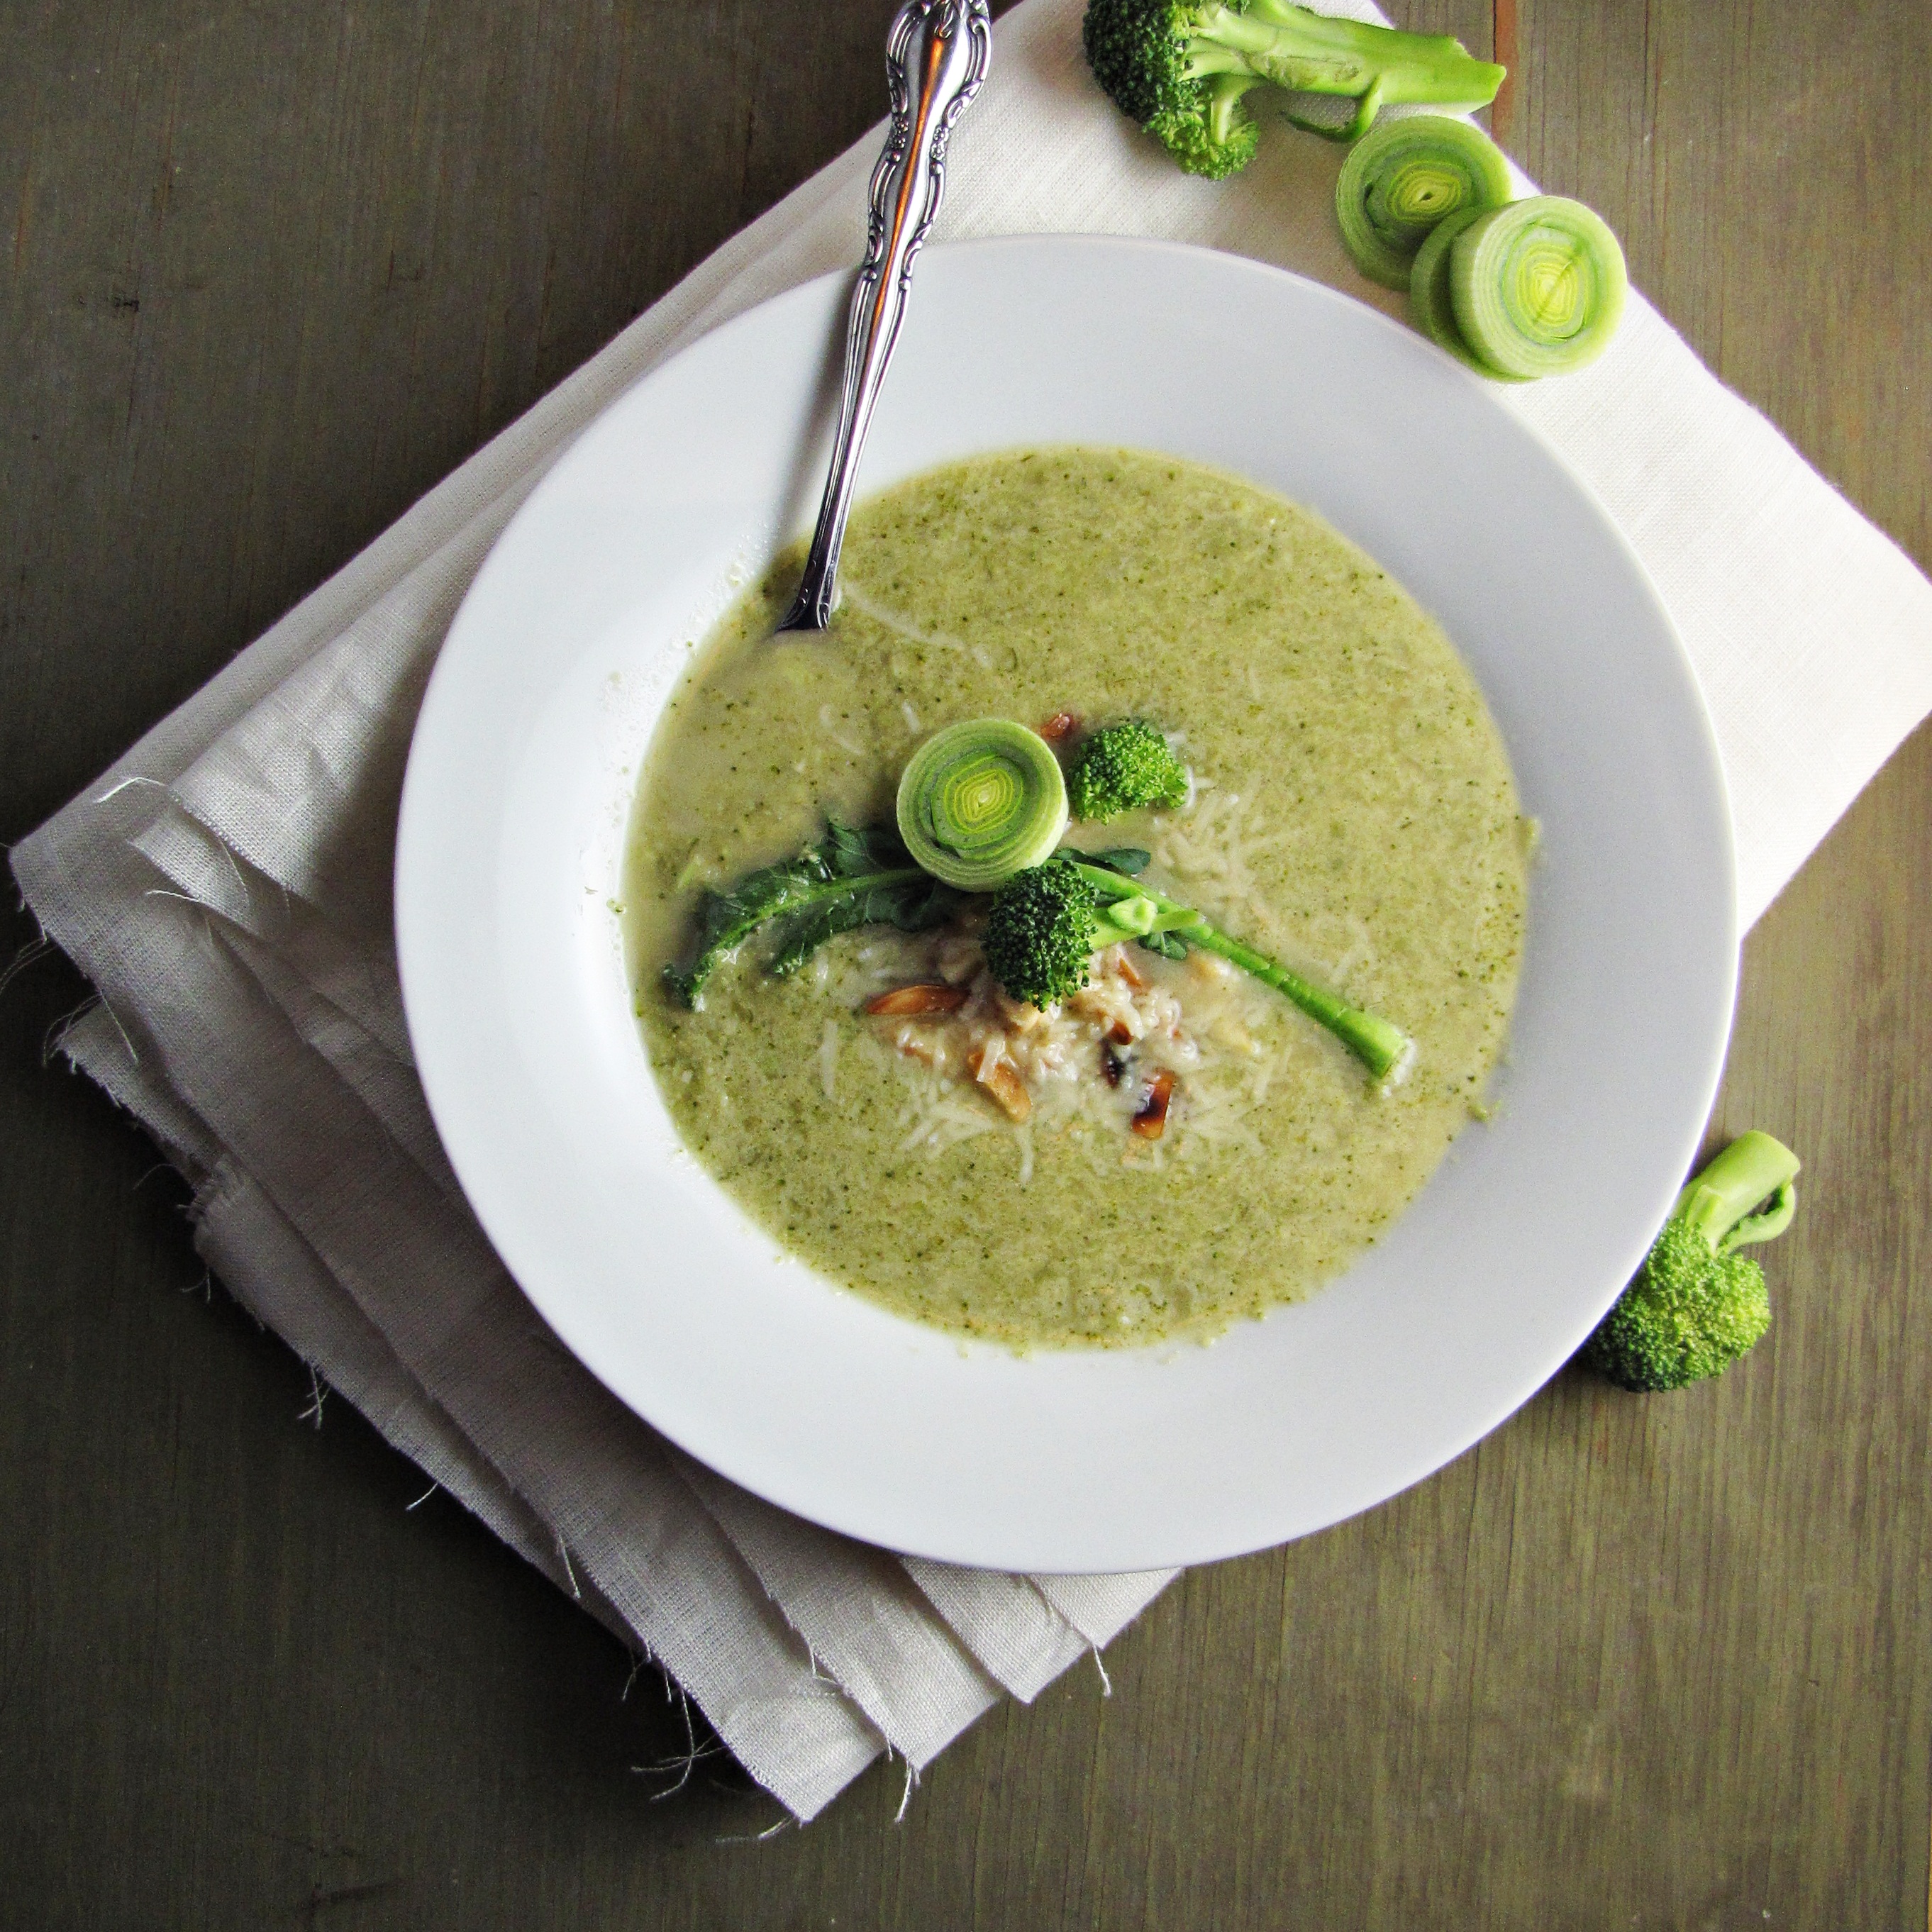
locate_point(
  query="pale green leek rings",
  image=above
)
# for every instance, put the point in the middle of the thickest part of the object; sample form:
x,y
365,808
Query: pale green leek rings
x,y
1429,291
981,801
1537,287
1403,178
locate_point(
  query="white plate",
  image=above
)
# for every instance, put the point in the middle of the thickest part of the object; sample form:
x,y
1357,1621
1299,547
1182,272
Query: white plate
x,y
512,822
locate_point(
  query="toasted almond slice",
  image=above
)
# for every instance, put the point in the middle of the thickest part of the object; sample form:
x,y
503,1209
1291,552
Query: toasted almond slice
x,y
1061,725
1120,1033
1001,1078
1126,968
903,1000
1151,1121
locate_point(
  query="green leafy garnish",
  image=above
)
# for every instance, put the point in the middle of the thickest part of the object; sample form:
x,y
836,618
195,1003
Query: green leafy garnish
x,y
1168,945
1132,859
854,876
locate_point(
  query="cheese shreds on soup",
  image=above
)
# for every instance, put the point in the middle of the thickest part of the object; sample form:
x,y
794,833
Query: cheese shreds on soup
x,y
1352,813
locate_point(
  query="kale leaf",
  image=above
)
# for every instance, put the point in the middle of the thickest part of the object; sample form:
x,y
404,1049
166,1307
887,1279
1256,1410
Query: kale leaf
x,y
854,876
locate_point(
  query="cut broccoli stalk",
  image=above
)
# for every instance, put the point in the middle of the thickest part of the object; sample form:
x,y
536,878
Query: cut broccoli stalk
x,y
1046,923
1745,1195
1179,69
1697,1304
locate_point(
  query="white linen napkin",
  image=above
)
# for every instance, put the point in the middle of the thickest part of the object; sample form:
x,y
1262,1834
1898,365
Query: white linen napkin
x,y
226,887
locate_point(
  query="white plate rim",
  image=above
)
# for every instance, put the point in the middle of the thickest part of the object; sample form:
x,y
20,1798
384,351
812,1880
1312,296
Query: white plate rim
x,y
1046,1541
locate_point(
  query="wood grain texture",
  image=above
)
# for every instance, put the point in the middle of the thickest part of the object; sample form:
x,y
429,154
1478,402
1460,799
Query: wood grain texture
x,y
266,273
1504,42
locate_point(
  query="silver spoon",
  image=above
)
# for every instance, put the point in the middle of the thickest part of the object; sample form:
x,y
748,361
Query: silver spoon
x,y
936,57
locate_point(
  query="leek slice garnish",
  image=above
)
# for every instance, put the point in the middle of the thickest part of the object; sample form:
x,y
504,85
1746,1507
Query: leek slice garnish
x,y
1537,287
1403,178
980,801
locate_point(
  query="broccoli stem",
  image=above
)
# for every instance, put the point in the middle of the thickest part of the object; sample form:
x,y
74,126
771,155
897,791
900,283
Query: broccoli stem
x,y
1754,1172
1224,97
1128,909
1303,53
1381,1047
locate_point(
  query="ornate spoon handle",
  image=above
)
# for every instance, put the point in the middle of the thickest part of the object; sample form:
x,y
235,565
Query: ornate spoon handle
x,y
936,56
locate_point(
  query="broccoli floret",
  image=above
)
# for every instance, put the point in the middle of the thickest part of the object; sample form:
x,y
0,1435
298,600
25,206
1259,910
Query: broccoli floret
x,y
1179,69
1697,1304
1122,768
1041,932
1046,923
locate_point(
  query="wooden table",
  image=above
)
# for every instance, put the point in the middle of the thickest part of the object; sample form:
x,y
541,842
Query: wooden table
x,y
268,273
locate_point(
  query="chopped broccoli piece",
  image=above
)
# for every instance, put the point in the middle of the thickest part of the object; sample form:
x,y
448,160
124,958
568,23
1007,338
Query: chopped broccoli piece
x,y
1121,768
1046,923
1179,68
1697,1304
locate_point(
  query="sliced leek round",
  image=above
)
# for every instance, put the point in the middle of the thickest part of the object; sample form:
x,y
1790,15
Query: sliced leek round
x,y
980,801
1429,291
1537,287
1403,178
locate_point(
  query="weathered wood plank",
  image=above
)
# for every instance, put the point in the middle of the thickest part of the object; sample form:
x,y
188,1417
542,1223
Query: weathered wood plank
x,y
265,274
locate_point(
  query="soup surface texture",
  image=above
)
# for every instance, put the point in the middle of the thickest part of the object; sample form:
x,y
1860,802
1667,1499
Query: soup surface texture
x,y
1352,813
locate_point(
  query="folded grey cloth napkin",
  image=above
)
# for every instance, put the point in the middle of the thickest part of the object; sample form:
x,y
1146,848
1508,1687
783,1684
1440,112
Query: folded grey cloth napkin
x,y
225,887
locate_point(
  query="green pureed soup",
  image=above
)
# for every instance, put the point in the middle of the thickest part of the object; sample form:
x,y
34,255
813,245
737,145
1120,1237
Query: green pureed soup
x,y
1351,812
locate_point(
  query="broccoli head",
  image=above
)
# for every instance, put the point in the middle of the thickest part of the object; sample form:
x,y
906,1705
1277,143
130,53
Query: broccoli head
x,y
1179,68
1697,1303
1122,768
1043,927
1046,923
1144,52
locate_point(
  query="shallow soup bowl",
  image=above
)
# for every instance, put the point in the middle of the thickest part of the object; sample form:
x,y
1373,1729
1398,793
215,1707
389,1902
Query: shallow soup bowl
x,y
521,779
